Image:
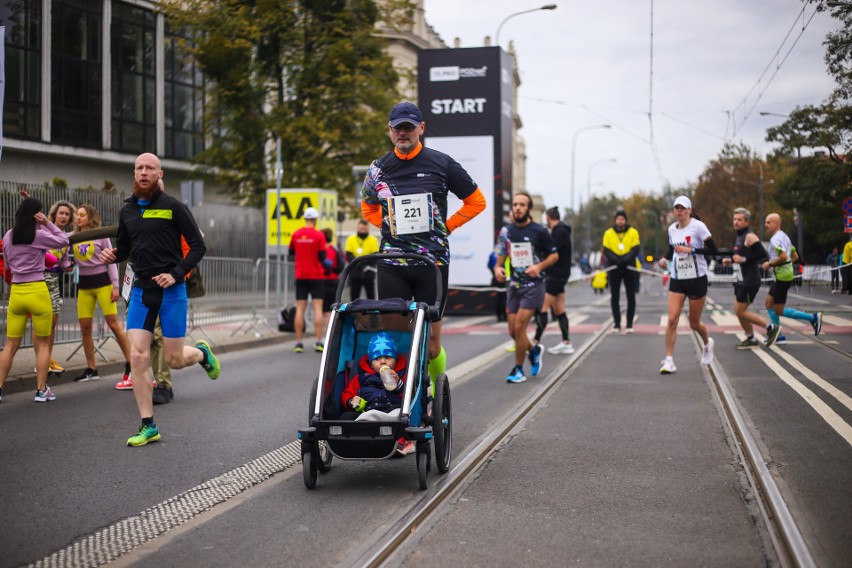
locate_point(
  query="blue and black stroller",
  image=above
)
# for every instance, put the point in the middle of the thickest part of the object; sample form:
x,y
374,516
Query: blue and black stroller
x,y
423,418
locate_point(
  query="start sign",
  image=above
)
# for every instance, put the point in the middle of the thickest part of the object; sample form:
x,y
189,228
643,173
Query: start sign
x,y
289,207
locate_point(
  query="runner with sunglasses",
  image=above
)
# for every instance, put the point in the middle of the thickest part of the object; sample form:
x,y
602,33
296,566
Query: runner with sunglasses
x,y
405,194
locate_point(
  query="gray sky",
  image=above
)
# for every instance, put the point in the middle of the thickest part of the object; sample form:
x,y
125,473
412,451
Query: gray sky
x,y
587,63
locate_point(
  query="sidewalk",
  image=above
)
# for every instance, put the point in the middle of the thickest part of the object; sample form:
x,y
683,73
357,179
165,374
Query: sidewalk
x,y
224,338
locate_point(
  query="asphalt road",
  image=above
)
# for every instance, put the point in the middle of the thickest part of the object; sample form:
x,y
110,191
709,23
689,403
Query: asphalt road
x,y
622,466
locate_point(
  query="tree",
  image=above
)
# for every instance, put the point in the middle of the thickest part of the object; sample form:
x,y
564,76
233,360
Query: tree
x,y
816,186
838,52
730,181
309,72
815,189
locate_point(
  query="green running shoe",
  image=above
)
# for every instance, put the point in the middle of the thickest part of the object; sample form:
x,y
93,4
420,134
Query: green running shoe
x,y
146,434
210,362
773,334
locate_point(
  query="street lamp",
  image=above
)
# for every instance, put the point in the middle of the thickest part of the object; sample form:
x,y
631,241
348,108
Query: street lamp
x,y
574,155
589,199
500,27
758,185
764,113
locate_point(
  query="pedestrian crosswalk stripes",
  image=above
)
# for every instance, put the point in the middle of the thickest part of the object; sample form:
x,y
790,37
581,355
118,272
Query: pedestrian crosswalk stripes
x,y
718,321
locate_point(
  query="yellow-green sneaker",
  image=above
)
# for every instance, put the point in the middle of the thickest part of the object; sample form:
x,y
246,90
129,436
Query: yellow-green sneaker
x,y
146,434
210,362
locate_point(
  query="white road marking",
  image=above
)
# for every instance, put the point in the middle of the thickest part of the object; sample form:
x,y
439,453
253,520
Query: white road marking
x,y
836,320
838,394
467,321
809,299
822,409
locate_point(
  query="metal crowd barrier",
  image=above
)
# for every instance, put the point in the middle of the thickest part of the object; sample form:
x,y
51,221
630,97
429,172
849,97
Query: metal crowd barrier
x,y
244,291
240,290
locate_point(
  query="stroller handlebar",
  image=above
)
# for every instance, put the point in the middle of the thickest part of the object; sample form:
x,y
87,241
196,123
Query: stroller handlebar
x,y
373,258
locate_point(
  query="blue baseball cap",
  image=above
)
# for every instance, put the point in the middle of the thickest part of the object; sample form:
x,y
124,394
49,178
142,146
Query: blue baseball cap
x,y
381,345
405,112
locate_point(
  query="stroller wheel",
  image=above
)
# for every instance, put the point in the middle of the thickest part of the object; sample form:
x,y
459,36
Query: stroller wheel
x,y
422,468
309,470
325,456
442,423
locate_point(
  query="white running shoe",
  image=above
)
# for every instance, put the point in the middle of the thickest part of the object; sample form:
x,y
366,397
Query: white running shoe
x,y
667,366
707,352
561,349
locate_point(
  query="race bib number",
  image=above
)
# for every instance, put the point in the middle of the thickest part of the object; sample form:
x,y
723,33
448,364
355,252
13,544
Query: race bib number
x,y
410,214
521,254
127,282
685,267
738,273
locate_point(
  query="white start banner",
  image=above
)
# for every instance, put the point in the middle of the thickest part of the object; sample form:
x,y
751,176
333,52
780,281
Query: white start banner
x,y
471,244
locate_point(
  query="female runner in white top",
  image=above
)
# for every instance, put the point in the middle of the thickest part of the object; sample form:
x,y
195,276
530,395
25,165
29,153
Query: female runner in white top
x,y
689,240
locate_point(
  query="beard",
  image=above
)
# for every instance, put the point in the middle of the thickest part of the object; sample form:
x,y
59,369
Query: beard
x,y
144,193
362,235
522,219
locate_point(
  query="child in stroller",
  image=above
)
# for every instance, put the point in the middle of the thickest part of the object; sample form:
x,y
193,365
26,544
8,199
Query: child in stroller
x,y
370,391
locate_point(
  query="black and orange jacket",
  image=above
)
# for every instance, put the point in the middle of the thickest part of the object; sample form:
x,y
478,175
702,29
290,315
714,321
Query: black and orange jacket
x,y
151,236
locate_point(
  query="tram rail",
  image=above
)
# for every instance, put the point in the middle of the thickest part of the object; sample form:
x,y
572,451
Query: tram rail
x,y
786,537
787,540
385,543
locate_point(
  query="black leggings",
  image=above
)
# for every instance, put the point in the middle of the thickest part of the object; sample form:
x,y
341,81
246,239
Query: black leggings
x,y
629,278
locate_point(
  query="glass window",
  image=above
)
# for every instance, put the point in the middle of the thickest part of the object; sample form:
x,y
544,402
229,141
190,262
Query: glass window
x,y
22,108
76,102
133,78
184,99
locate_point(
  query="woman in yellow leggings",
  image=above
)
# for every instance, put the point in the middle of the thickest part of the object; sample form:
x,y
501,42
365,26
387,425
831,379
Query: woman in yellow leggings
x,y
24,248
62,215
98,285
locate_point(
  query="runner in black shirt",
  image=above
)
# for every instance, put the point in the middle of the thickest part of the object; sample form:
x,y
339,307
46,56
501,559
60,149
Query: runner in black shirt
x,y
554,285
531,251
746,260
405,194
149,230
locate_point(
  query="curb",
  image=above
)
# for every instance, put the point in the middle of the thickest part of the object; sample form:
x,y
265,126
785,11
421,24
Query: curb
x,y
27,382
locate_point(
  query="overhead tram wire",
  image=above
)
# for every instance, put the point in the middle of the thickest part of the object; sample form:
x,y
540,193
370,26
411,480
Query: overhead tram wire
x,y
591,111
654,150
768,65
762,90
698,128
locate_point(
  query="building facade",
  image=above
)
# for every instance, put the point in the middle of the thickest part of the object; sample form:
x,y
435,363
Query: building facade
x,y
90,84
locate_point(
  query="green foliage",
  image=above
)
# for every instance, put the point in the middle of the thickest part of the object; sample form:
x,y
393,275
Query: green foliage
x,y
824,126
817,188
59,182
310,72
838,52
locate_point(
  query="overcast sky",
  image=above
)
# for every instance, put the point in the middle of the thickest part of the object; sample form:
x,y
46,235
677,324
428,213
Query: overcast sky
x,y
588,63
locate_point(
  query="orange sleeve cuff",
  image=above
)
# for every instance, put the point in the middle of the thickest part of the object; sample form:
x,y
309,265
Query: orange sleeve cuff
x,y
372,213
472,205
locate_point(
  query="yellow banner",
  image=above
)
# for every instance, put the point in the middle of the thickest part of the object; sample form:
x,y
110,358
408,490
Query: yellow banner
x,y
292,204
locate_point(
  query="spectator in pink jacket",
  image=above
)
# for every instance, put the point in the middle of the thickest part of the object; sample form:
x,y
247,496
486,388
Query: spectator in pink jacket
x,y
24,248
98,285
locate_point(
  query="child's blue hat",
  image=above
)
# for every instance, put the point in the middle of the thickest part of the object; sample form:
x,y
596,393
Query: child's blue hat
x,y
380,345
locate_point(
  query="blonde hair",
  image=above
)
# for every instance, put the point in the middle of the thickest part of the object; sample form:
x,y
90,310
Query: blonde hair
x,y
54,209
92,214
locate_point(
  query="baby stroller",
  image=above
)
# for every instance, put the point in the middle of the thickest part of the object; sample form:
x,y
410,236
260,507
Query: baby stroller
x,y
423,419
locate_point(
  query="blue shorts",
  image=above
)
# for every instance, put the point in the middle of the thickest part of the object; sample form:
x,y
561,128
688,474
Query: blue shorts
x,y
168,303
